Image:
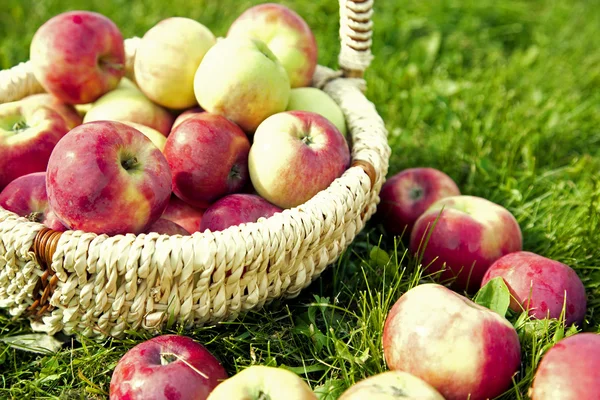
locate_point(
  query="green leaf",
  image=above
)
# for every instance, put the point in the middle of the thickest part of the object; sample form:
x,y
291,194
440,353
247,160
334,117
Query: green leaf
x,y
495,296
34,342
379,256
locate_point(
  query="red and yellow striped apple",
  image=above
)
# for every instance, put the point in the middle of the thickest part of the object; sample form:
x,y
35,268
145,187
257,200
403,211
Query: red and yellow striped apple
x,y
236,209
167,227
183,214
67,111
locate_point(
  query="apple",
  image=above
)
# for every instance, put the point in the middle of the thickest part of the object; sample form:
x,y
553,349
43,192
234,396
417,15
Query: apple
x,y
296,154
288,36
260,382
467,234
540,285
166,367
317,101
28,133
242,80
236,209
167,227
78,56
406,195
457,346
128,104
26,197
108,178
391,385
67,111
570,370
157,138
183,214
167,58
185,115
208,156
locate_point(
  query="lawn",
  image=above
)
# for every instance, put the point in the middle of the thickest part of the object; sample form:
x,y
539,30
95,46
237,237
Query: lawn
x,y
502,95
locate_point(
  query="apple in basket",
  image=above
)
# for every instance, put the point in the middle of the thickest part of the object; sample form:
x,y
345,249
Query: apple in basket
x,y
288,36
107,177
262,382
296,154
28,133
166,367
78,56
391,385
317,101
26,197
236,209
67,111
183,214
457,346
164,226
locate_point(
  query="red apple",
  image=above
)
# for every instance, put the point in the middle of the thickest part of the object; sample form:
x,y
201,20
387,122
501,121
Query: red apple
x,y
236,209
391,385
28,133
469,234
68,112
540,285
295,155
288,36
570,370
406,195
208,155
78,56
183,214
166,227
166,367
26,197
107,177
457,346
185,115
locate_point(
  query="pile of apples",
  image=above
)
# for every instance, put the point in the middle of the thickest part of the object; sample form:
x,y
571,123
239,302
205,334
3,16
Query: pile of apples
x,y
197,134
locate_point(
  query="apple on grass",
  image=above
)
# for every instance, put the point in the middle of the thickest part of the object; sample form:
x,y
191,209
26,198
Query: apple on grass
x,y
67,111
108,178
167,58
167,227
541,286
242,80
127,103
170,367
408,194
26,197
183,214
288,36
570,370
391,385
317,101
208,156
78,56
28,133
260,382
236,209
296,154
457,346
462,236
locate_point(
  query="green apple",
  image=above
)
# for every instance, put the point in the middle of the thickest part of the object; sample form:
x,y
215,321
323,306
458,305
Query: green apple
x,y
391,385
242,80
315,100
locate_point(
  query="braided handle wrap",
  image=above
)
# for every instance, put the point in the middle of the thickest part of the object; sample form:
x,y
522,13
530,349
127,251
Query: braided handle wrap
x,y
356,30
18,82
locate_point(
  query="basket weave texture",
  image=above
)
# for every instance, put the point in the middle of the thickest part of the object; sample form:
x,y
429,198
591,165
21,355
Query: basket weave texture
x,y
100,286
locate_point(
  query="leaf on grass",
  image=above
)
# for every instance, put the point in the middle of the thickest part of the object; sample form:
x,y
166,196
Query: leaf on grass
x,y
34,342
495,296
379,256
330,390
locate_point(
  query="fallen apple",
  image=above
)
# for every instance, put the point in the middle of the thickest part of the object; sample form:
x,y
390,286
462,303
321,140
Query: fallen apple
x,y
391,385
236,209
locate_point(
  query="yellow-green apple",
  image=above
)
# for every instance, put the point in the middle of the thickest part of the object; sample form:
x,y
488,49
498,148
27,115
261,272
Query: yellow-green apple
x,y
183,214
462,236
315,100
128,103
406,195
167,227
391,385
294,155
242,80
157,138
457,346
261,382
541,286
26,197
236,209
28,133
185,115
288,36
108,178
67,111
570,370
167,58
78,56
208,156
166,367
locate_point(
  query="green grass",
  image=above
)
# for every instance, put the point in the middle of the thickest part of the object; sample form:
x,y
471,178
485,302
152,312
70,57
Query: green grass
x,y
504,96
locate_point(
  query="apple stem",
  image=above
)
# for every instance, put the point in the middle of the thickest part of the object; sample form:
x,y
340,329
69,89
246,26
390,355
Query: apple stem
x,y
168,357
129,163
105,64
263,396
307,140
35,216
19,126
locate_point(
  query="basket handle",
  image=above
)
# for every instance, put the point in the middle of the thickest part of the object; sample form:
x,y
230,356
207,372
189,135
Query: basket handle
x,y
356,30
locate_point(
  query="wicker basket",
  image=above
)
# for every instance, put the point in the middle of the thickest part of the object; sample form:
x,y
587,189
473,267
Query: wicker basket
x,y
100,286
